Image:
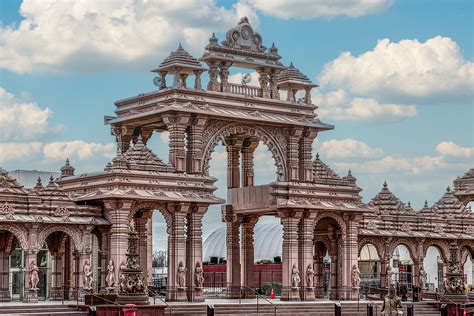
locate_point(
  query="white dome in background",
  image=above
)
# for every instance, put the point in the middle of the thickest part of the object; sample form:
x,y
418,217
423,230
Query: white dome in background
x,y
268,241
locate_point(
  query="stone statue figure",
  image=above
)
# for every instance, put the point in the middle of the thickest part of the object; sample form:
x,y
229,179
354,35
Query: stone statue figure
x,y
87,281
110,278
422,278
198,275
181,275
391,303
34,278
389,276
355,277
309,276
295,276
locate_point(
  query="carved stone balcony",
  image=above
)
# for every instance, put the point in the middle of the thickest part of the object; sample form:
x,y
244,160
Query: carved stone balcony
x,y
250,91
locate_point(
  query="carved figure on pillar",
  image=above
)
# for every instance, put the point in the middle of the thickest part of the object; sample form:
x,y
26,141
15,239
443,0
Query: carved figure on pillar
x,y
198,275
454,283
309,276
34,278
110,278
422,278
391,304
181,275
295,276
355,277
388,281
87,279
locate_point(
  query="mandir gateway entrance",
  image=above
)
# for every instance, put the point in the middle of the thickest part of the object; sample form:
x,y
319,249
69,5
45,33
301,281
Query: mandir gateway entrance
x,y
81,221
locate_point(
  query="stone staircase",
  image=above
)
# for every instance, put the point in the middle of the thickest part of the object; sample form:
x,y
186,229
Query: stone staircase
x,y
41,310
187,309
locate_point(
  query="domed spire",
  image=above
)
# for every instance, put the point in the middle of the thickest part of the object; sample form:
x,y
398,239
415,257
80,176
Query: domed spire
x,y
67,170
51,182
213,39
38,185
273,50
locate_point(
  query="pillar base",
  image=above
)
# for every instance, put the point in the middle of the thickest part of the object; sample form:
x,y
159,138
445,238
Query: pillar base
x,y
291,294
131,298
307,294
5,295
177,295
196,295
31,296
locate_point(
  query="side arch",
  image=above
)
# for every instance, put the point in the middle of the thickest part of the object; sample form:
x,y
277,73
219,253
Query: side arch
x,y
337,218
372,241
410,244
20,234
441,245
74,233
273,138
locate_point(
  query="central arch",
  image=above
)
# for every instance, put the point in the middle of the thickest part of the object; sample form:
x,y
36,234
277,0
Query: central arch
x,y
274,140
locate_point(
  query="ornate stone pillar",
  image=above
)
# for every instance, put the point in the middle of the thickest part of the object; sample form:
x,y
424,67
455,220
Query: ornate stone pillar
x,y
305,249
247,259
177,125
293,136
182,78
383,271
233,222
163,79
117,212
233,147
197,79
176,77
305,155
5,276
142,226
350,255
176,215
57,275
417,263
30,258
265,91
213,84
85,256
224,76
307,96
318,276
248,150
194,153
194,251
273,87
290,255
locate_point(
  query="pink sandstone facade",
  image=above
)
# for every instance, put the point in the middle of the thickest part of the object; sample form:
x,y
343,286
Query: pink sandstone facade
x,y
320,211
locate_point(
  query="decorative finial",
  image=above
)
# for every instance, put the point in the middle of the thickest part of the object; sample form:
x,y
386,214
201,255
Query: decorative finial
x,y
273,50
67,170
51,179
291,65
349,174
385,184
426,204
213,40
139,142
38,185
448,189
409,204
317,156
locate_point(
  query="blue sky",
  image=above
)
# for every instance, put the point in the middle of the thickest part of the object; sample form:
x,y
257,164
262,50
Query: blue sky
x,y
396,80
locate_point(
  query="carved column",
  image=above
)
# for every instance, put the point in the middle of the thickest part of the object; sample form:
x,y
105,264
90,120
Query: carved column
x,y
142,225
213,84
333,253
307,96
176,213
85,255
417,263
5,276
305,155
265,91
117,212
177,125
31,256
305,249
273,87
293,136
247,259
194,153
182,78
248,150
290,255
233,222
197,79
318,275
194,250
57,272
233,147
163,79
350,254
224,76
176,77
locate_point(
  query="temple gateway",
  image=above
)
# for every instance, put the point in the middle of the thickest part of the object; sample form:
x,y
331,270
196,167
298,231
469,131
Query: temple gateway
x,y
82,223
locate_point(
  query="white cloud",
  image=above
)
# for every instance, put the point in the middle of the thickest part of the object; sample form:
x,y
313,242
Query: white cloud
x,y
237,78
18,151
449,148
347,148
307,9
338,105
433,70
21,120
93,35
78,149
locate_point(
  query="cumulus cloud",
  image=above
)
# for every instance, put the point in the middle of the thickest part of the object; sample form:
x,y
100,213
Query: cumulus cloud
x,y
434,69
56,36
449,148
347,148
307,9
237,78
338,105
18,151
20,121
77,149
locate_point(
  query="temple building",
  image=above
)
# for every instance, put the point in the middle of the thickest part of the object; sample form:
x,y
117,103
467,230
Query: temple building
x,y
73,226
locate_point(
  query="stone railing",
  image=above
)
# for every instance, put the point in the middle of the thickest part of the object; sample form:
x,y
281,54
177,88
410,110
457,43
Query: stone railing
x,y
244,89
247,198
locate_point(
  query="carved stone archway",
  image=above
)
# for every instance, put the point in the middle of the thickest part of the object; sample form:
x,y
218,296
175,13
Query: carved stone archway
x,y
376,242
74,233
20,234
410,244
271,137
441,245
